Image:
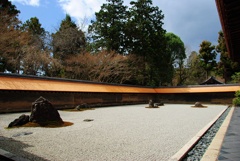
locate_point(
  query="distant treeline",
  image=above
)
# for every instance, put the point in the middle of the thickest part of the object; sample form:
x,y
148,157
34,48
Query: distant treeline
x,y
126,45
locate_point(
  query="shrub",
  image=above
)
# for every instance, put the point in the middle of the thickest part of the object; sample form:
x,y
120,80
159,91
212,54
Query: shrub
x,y
236,100
236,77
237,94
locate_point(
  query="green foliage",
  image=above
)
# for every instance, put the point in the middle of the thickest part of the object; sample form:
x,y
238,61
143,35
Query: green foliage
x,y
68,40
195,73
146,38
236,100
175,47
207,55
36,33
226,67
67,23
135,31
33,26
236,77
237,94
9,9
176,50
108,29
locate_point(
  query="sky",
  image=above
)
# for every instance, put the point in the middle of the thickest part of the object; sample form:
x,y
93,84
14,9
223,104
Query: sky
x,y
192,20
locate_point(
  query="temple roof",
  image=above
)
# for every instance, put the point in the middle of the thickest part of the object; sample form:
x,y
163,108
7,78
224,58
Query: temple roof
x,y
229,14
211,80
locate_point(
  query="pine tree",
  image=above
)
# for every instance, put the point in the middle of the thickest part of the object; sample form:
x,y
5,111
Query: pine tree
x,y
108,28
226,67
68,40
146,38
207,55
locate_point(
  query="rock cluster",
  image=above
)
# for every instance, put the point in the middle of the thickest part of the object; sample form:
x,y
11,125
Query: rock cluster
x,y
42,113
199,105
151,104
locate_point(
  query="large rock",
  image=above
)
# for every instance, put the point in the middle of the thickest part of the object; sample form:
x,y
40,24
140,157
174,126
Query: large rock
x,y
23,119
44,113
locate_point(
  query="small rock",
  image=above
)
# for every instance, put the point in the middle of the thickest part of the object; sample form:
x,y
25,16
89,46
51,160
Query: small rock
x,y
22,134
198,104
82,106
151,103
88,120
23,119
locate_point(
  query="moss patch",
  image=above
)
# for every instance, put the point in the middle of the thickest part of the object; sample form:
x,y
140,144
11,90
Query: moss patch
x,y
199,106
153,107
47,125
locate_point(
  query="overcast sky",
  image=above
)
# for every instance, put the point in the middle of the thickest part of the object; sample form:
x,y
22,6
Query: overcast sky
x,y
192,20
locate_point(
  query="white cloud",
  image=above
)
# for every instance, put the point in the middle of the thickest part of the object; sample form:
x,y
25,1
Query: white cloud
x,y
81,10
28,2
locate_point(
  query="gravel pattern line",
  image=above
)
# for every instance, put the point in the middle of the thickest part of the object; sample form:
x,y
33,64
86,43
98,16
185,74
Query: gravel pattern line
x,y
115,133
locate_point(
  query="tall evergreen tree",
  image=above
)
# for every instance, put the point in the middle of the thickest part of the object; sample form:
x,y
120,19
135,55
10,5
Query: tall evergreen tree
x,y
108,28
37,54
36,32
195,73
207,55
146,38
68,40
226,67
67,23
33,26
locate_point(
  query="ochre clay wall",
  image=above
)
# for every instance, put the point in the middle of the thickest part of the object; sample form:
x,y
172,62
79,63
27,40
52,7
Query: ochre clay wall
x,y
18,92
16,101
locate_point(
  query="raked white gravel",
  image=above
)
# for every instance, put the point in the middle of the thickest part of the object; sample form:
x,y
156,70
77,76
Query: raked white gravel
x,y
116,133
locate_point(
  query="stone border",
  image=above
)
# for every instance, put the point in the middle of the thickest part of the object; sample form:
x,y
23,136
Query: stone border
x,y
185,149
214,148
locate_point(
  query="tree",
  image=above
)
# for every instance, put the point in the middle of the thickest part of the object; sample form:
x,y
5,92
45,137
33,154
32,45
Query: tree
x,y
194,71
176,49
108,28
145,38
36,59
108,67
207,55
136,31
36,31
11,39
33,26
68,40
226,67
236,77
